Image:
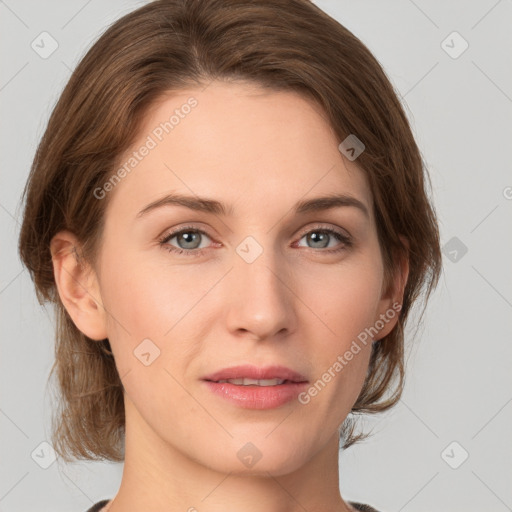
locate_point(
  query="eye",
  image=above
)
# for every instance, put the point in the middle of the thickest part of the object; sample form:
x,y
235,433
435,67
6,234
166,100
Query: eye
x,y
320,238
188,240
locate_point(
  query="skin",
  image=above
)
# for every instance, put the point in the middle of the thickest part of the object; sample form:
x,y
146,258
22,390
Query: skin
x,y
295,305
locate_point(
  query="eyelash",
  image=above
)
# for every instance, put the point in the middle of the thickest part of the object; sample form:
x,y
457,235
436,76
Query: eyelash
x,y
346,241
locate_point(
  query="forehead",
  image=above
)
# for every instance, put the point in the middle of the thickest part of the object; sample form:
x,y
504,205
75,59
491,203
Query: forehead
x,y
240,143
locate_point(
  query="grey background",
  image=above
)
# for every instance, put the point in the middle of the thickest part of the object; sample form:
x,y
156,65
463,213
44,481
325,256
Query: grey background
x,y
459,368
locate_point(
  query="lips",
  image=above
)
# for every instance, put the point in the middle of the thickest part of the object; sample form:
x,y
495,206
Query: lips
x,y
254,373
252,387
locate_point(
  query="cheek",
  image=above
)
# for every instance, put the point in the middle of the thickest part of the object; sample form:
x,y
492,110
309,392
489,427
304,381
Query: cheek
x,y
146,296
149,300
345,298
345,305
133,300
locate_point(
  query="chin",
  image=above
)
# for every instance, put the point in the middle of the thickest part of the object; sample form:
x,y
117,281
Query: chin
x,y
258,455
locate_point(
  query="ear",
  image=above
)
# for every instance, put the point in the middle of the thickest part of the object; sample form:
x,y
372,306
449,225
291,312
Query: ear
x,y
78,286
391,301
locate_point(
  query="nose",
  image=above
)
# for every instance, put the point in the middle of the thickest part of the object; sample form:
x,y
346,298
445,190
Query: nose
x,y
261,301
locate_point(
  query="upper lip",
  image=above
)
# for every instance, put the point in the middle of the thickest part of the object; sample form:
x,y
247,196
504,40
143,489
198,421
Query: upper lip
x,y
255,372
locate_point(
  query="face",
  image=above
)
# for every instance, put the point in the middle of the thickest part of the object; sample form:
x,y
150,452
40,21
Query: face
x,y
189,292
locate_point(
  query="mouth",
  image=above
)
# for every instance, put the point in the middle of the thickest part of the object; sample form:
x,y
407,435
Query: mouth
x,y
255,382
250,387
247,375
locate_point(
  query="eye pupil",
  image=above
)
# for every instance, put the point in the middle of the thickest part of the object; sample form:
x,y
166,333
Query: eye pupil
x,y
319,236
189,239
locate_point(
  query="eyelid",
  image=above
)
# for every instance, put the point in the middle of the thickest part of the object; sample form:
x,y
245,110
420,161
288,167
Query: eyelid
x,y
324,226
171,234
304,231
345,238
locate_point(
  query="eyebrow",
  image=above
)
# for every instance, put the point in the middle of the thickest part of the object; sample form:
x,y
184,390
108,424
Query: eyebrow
x,y
215,207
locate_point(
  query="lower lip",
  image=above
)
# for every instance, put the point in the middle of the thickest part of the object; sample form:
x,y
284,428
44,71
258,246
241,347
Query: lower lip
x,y
257,397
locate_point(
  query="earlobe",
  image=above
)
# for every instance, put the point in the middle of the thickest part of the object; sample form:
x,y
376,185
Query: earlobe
x,y
78,286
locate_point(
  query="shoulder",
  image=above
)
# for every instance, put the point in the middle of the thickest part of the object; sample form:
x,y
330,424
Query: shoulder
x,y
358,506
98,506
363,508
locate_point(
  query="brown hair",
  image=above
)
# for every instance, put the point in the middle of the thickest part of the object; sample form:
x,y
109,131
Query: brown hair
x,y
172,44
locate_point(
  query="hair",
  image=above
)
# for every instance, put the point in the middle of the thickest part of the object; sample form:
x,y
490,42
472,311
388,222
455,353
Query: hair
x,y
169,45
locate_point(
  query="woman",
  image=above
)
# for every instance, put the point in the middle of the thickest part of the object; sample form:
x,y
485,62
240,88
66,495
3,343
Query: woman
x,y
228,210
